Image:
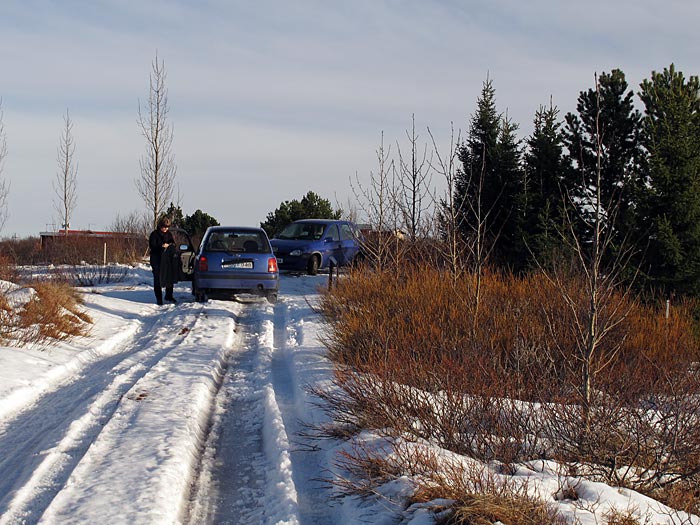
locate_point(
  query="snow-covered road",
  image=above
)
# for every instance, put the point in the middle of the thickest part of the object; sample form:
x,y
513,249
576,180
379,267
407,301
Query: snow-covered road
x,y
180,414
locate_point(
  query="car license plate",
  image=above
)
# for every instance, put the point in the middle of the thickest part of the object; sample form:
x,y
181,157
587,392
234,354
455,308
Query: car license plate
x,y
233,264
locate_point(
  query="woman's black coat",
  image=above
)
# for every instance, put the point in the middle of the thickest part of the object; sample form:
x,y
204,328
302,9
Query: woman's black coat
x,y
155,245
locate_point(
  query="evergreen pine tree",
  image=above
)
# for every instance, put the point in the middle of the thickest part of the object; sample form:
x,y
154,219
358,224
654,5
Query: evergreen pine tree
x,y
197,223
174,213
618,125
510,249
311,206
671,135
488,184
543,203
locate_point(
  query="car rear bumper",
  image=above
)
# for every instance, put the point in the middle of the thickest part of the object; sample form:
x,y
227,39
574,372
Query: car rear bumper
x,y
253,282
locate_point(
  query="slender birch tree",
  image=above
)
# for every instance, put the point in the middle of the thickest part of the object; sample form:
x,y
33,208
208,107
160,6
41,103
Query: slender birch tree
x,y
4,185
157,180
65,184
378,202
414,185
448,210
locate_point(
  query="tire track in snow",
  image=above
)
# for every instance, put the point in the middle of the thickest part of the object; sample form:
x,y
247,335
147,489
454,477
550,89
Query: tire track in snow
x,y
245,476
148,452
230,485
313,503
59,428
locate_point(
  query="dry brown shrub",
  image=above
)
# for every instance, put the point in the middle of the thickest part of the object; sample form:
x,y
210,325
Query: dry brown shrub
x,y
77,249
618,517
509,509
6,328
683,496
8,269
415,357
479,495
54,313
361,469
523,336
24,251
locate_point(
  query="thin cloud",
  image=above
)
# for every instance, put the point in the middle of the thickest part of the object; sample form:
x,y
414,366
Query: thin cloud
x,y
295,94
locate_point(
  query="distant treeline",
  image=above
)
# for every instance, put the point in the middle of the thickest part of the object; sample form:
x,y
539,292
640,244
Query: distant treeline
x,y
639,172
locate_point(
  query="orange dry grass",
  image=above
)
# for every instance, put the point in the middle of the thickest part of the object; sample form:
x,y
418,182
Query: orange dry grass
x,y
480,497
417,328
8,270
417,357
54,313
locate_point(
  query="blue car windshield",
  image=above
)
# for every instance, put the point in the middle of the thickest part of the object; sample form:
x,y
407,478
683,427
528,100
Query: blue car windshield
x,y
302,231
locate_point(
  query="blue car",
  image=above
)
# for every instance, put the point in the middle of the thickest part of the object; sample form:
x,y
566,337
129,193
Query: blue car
x,y
309,244
233,260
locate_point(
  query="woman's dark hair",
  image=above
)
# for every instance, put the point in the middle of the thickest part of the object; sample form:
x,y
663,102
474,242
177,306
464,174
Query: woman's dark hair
x,y
164,221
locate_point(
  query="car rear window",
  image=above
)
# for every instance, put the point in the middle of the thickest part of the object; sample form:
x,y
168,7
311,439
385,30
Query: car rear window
x,y
237,241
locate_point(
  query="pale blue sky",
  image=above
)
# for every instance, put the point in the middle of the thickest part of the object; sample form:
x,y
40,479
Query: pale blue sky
x,y
271,99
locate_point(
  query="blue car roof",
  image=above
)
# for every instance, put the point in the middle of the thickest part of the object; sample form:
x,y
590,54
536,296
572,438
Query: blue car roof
x,y
241,228
321,221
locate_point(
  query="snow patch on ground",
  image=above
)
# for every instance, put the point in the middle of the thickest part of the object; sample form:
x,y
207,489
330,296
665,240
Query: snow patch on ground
x,y
196,413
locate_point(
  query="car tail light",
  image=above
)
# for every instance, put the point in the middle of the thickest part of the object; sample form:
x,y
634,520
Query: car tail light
x,y
272,265
203,264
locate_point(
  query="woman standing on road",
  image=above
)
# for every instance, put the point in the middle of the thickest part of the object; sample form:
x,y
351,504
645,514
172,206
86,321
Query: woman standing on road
x,y
158,242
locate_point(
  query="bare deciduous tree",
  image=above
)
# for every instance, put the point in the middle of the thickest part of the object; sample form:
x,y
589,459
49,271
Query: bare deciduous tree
x,y
378,202
594,321
448,211
414,184
133,222
158,170
4,185
472,219
65,184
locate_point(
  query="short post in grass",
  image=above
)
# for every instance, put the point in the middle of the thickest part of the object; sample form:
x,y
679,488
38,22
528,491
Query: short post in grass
x,y
332,264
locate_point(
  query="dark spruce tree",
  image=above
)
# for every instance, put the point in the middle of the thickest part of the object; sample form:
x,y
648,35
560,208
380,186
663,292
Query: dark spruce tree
x,y
174,213
543,199
197,223
616,125
671,204
510,249
311,206
488,184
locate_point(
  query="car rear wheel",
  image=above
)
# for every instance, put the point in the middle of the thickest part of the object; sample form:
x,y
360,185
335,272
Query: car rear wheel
x,y
314,263
271,297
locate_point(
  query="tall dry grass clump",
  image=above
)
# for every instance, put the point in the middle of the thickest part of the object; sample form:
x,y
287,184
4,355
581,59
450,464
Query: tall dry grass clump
x,y
54,313
419,329
468,492
504,382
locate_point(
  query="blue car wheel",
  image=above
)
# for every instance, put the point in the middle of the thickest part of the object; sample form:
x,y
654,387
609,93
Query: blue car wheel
x,y
313,265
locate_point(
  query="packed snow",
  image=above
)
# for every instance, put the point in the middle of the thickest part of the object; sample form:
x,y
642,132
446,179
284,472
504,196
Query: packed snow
x,y
196,413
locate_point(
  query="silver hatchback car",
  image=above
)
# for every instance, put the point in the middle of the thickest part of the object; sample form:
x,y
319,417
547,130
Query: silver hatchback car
x,y
233,260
